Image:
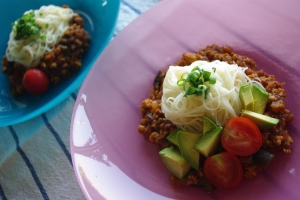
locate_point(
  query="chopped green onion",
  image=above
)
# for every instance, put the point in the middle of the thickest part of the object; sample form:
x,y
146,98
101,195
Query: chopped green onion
x,y
193,76
191,90
26,27
207,90
181,82
196,80
43,37
199,82
206,74
200,90
212,80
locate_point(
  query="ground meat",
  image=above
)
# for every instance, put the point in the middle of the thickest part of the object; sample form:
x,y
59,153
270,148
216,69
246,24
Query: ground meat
x,y
58,64
155,127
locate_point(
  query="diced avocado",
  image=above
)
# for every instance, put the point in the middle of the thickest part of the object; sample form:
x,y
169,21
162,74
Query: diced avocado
x,y
246,97
186,143
173,137
262,158
175,163
260,97
209,143
263,122
208,124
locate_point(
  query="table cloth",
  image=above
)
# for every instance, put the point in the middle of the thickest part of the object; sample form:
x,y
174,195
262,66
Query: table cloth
x,y
35,161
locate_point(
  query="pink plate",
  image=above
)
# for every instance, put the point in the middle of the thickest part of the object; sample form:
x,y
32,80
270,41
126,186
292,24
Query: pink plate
x,y
113,161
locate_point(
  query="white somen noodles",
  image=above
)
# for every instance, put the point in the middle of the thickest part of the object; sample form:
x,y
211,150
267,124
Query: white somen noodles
x,y
53,21
221,104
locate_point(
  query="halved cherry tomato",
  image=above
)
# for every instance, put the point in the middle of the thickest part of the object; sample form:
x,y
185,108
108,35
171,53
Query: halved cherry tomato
x,y
35,81
241,137
223,170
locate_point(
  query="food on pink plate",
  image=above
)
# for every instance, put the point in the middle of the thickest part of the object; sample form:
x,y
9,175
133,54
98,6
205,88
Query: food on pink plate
x,y
51,39
216,118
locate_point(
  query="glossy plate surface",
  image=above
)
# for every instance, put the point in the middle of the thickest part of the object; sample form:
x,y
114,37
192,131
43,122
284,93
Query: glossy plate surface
x,y
113,161
100,18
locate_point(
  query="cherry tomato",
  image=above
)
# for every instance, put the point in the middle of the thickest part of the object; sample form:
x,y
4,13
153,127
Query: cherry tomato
x,y
35,81
223,170
241,137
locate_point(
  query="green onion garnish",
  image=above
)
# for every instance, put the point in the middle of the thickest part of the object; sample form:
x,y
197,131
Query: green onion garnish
x,y
196,80
26,27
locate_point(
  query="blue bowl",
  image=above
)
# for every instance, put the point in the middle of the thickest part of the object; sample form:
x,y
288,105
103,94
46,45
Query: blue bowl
x,y
100,18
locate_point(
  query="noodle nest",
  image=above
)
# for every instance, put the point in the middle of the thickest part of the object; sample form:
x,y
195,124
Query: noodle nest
x,y
221,104
53,21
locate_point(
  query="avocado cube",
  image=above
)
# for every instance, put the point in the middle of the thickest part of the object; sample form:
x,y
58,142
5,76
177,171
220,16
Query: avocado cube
x,y
263,122
260,97
172,138
208,124
175,163
245,95
208,144
186,144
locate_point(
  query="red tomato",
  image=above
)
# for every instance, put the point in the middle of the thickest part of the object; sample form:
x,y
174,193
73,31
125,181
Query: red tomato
x,y
35,81
223,170
241,137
